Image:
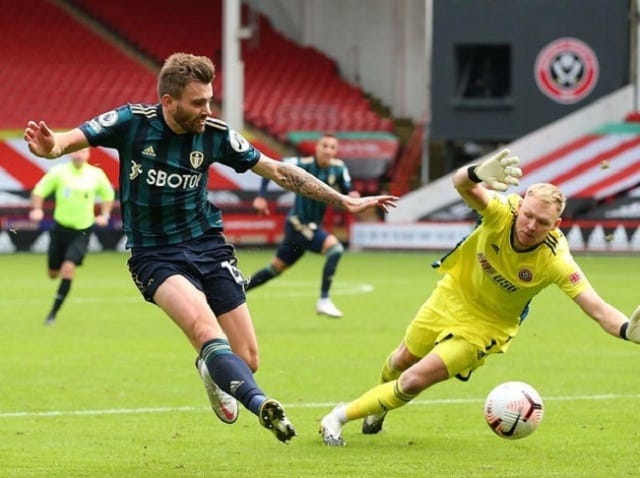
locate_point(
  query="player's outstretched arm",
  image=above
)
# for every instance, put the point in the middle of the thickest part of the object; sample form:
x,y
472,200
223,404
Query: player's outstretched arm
x,y
44,143
474,182
498,172
631,331
299,181
359,204
610,318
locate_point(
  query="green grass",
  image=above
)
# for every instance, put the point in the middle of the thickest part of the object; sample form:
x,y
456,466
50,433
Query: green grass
x,y
111,391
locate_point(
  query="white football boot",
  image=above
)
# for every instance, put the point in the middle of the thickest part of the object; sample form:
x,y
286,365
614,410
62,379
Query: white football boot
x,y
326,307
223,405
331,429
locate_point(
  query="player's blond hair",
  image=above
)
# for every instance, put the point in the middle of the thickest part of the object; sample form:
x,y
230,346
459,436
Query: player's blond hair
x,y
182,68
548,193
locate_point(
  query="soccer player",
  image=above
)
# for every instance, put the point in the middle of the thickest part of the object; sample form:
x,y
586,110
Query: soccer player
x,y
180,260
75,185
477,307
303,229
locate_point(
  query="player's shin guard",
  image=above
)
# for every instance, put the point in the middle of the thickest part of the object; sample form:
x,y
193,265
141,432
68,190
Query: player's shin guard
x,y
232,374
334,253
388,372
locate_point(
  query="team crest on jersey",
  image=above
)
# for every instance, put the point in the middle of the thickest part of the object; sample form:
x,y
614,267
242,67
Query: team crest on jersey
x,y
525,275
108,119
196,158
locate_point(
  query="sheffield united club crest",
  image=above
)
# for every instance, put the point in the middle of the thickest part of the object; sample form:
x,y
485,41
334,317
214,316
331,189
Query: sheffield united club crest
x,y
566,70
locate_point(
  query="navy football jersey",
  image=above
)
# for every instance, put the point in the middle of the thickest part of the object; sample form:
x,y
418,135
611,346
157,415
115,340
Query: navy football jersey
x,y
335,175
164,175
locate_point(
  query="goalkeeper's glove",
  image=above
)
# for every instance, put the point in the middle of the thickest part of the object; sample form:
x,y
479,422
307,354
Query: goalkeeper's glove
x,y
498,172
631,330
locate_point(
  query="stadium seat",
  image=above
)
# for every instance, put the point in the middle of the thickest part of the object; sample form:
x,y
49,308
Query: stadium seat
x,y
48,79
285,83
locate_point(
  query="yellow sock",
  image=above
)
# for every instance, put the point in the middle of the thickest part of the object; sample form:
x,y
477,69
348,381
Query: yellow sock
x,y
389,373
380,398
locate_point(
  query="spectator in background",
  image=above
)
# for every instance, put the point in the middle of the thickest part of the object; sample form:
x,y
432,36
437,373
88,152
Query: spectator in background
x,y
303,229
75,185
180,259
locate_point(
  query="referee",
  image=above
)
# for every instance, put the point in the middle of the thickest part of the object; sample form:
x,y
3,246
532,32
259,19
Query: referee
x,y
75,185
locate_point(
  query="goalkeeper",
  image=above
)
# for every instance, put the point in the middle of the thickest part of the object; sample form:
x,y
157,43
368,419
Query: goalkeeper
x,y
477,307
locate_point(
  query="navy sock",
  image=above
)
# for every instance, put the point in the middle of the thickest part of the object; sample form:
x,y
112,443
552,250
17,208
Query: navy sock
x,y
232,374
331,264
260,277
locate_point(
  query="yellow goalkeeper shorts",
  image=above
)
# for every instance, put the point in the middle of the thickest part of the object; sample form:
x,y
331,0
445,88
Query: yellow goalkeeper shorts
x,y
446,326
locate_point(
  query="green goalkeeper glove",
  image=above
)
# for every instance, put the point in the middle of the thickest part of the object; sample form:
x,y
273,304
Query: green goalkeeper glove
x,y
632,329
498,172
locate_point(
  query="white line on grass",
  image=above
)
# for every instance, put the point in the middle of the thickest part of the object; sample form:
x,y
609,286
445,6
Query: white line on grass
x,y
135,411
303,288
283,289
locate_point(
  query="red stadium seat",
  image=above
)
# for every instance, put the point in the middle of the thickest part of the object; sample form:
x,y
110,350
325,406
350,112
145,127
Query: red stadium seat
x,y
288,87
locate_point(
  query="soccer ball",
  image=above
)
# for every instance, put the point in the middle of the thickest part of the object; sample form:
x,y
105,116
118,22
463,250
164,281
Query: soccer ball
x,y
513,410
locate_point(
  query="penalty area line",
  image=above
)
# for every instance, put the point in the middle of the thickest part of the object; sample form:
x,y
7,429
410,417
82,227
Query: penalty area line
x,y
149,410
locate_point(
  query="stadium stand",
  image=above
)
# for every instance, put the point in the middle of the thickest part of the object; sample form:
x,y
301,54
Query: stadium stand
x,y
93,55
50,59
288,87
151,27
408,165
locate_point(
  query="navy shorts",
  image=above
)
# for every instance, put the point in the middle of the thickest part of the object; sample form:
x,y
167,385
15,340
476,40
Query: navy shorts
x,y
67,244
296,243
208,262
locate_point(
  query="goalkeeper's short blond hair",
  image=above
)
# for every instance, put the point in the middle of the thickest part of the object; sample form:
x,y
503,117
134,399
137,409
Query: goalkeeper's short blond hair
x,y
549,193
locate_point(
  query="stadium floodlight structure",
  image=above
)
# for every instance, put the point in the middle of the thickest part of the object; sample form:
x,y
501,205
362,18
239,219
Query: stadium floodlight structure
x,y
634,60
232,65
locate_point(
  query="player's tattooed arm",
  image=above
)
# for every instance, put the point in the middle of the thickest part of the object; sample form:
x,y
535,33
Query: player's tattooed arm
x,y
299,181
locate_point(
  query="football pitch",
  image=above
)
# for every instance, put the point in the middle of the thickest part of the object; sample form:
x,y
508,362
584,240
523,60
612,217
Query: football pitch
x,y
110,390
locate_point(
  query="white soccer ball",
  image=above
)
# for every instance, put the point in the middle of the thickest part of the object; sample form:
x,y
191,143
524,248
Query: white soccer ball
x,y
513,410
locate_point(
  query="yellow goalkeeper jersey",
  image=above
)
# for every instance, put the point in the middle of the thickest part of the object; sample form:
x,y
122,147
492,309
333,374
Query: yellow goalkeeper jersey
x,y
497,281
